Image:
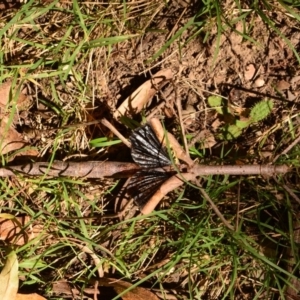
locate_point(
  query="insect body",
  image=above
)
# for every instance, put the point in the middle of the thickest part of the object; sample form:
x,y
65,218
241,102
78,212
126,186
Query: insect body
x,y
151,156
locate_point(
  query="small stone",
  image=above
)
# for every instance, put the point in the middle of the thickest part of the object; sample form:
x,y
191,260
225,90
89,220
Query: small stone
x,y
259,82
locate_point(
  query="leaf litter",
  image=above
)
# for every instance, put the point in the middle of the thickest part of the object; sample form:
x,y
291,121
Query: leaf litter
x,y
11,140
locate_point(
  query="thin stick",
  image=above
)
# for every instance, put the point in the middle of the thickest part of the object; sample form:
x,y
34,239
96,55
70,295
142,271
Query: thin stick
x,y
290,192
155,110
287,149
179,108
267,170
179,152
238,206
215,209
116,132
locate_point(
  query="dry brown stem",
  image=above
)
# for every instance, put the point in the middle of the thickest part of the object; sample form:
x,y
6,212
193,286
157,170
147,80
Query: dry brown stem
x,y
179,152
168,186
265,170
116,132
88,169
100,169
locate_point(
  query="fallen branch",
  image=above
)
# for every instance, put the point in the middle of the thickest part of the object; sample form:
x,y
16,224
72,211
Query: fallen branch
x,y
100,169
87,169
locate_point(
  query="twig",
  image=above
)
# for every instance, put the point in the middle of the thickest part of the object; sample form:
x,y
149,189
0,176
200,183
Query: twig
x,y
215,208
238,206
179,152
287,149
88,169
179,109
290,192
99,169
116,132
155,110
265,170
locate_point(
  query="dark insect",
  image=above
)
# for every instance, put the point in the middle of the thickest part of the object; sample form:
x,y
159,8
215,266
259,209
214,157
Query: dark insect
x,y
149,154
146,150
145,183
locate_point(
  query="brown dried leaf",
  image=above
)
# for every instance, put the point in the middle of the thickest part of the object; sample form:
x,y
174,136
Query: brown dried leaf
x,y
142,95
291,96
179,152
9,277
61,287
206,139
15,230
5,89
249,72
119,286
168,186
283,85
10,139
29,297
4,93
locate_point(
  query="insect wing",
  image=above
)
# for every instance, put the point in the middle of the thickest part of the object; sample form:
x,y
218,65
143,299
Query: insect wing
x,y
144,184
146,150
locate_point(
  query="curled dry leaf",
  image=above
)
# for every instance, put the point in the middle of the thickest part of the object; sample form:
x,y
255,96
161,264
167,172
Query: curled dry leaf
x,y
100,288
168,186
15,230
249,72
141,96
119,286
11,140
9,277
179,152
29,297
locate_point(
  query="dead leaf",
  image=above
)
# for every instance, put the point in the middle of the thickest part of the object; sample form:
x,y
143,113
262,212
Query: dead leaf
x,y
61,287
115,286
15,230
205,139
9,277
169,185
29,297
291,96
189,115
22,101
143,94
249,72
119,286
283,85
10,139
295,79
